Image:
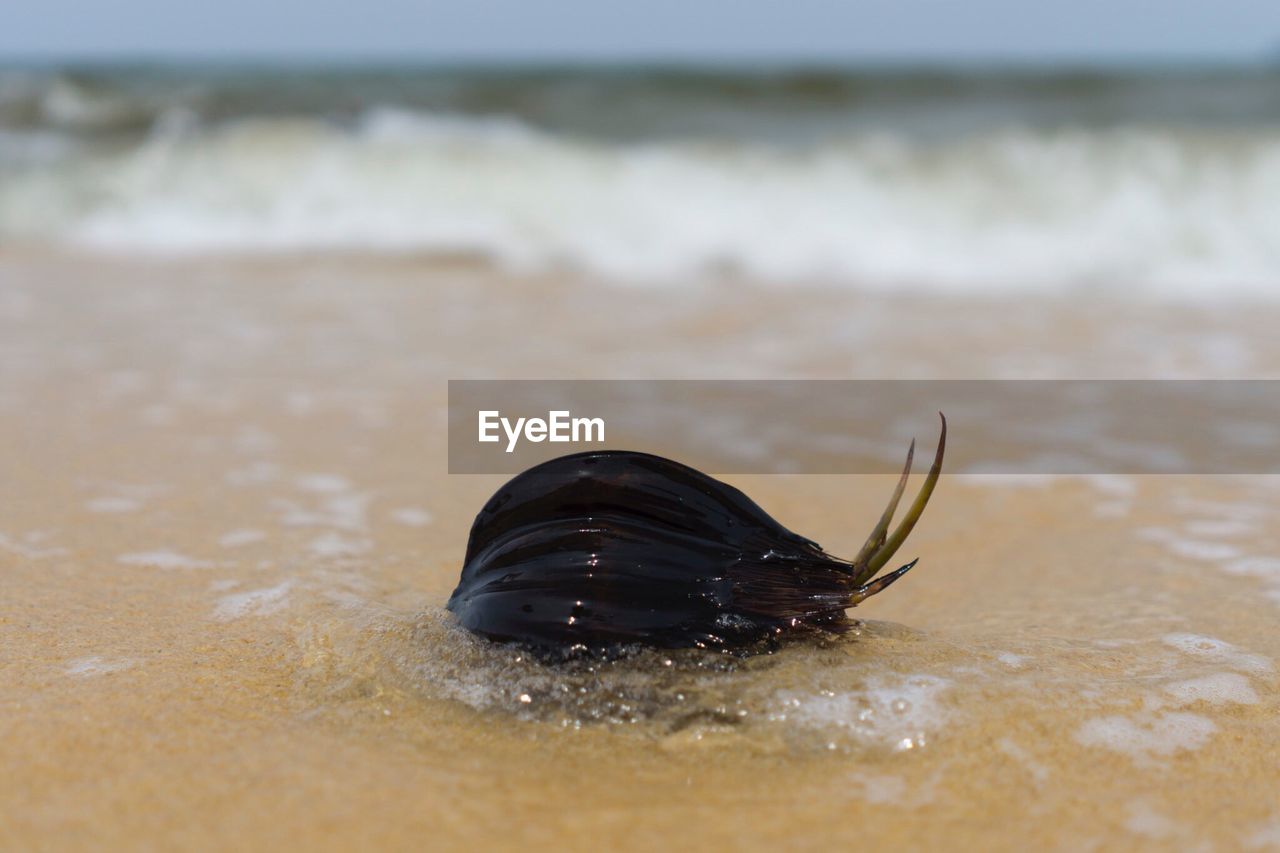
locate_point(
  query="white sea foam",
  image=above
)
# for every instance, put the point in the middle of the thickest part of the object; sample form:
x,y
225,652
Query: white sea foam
x,y
1221,688
411,516
113,505
1191,549
1261,567
1196,550
335,506
323,483
880,788
1115,485
96,665
1266,837
258,602
158,414
253,474
1225,527
1039,773
1146,734
252,439
1017,209
31,546
901,713
1144,820
333,544
1234,510
1218,651
1112,509
162,559
241,537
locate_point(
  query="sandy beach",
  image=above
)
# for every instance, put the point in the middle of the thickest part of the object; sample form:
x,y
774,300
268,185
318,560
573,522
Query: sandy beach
x,y
227,534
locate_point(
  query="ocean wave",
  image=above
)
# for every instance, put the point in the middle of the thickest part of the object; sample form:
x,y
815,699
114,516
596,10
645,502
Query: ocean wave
x,y
1143,207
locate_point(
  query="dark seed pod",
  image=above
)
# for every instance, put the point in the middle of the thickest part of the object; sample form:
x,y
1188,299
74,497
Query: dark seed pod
x,y
601,550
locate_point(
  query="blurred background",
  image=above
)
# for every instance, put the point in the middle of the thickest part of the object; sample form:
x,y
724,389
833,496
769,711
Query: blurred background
x,y
995,145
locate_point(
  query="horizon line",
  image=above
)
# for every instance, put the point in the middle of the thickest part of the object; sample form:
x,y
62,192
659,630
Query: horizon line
x,y
649,61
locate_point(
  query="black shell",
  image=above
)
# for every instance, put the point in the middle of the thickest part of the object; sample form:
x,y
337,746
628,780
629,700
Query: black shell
x,y
605,549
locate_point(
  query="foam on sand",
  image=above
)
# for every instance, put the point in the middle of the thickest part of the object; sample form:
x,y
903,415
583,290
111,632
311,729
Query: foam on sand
x,y
1218,651
1267,837
113,505
162,559
1145,734
97,665
411,516
32,546
1144,820
258,602
1222,688
896,712
240,537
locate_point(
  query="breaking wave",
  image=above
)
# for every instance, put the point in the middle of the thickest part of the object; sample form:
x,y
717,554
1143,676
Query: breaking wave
x,y
1191,209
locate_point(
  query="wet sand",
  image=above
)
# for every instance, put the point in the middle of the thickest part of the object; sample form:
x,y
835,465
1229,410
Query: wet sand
x,y
227,531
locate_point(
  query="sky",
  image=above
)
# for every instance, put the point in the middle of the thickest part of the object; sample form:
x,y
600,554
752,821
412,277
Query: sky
x,y
1087,31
